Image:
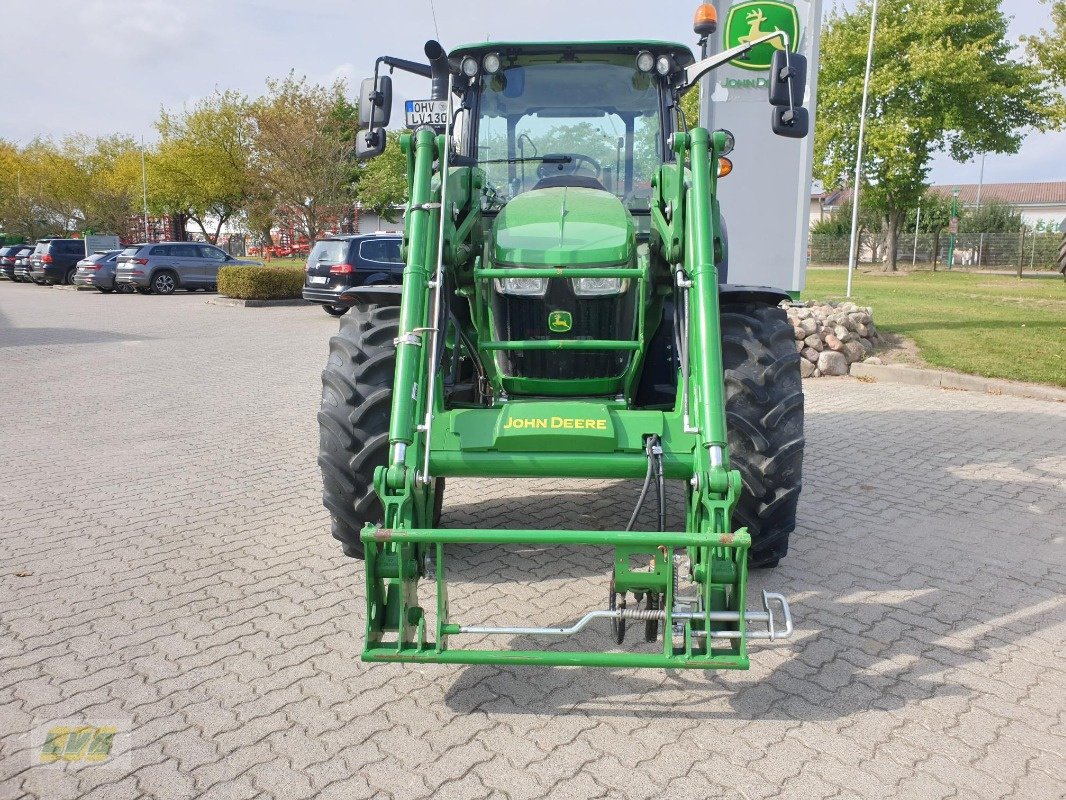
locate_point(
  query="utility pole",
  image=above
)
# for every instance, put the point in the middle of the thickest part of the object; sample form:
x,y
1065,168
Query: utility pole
x,y
980,186
917,222
144,184
853,250
953,226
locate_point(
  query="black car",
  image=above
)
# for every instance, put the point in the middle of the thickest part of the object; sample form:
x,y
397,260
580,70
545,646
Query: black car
x,y
8,255
22,263
338,263
56,260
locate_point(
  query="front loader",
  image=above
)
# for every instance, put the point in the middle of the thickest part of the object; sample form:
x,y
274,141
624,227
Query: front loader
x,y
564,313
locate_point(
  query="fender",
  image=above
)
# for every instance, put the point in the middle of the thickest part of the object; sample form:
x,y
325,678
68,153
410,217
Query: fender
x,y
733,293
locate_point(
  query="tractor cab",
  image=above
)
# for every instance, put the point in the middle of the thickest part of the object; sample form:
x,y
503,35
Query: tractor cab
x,y
593,116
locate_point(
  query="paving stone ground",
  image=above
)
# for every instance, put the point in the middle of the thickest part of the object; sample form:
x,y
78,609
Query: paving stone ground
x,y
167,564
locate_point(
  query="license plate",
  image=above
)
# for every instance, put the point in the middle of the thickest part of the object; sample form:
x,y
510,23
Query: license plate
x,y
318,279
426,112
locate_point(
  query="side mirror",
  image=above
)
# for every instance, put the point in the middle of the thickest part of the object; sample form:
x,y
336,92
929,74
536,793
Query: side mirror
x,y
370,143
780,72
375,102
792,123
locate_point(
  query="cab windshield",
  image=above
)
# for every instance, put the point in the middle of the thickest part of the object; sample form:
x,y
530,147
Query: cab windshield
x,y
587,120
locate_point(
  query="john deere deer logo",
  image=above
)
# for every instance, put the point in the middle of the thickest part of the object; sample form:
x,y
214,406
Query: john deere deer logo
x,y
747,22
755,19
560,321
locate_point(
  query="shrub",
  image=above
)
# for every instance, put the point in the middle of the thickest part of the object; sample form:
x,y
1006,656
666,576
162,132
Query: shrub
x,y
261,283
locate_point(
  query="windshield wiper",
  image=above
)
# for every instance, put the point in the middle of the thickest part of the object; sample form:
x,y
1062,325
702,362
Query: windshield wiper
x,y
549,159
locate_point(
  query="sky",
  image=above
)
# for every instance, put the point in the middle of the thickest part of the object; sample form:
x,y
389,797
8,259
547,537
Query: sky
x,y
108,66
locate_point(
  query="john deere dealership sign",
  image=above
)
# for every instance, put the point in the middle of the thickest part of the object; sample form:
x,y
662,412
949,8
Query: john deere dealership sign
x,y
749,21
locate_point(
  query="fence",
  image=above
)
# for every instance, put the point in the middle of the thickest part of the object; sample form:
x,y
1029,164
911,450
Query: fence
x,y
999,251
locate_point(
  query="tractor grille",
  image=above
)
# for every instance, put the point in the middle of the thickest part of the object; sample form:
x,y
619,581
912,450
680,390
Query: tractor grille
x,y
524,318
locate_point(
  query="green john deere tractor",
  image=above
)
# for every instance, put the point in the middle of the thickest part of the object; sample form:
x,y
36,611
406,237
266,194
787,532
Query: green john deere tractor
x,y
565,312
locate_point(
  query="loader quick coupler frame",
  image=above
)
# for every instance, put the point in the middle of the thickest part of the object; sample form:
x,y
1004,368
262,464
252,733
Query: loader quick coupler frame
x,y
519,414
579,438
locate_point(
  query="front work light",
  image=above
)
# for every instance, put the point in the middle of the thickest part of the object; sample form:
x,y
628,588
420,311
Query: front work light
x,y
522,287
491,63
469,66
664,65
599,287
645,61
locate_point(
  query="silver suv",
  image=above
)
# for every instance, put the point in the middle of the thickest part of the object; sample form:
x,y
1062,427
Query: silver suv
x,y
165,266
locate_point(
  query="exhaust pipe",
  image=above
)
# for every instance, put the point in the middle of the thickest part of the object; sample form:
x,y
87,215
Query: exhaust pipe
x,y
440,68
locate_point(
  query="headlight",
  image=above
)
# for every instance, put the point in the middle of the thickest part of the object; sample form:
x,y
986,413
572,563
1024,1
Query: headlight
x,y
599,287
522,287
728,141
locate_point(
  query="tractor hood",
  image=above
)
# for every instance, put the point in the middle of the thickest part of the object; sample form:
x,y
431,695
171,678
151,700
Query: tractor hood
x,y
563,226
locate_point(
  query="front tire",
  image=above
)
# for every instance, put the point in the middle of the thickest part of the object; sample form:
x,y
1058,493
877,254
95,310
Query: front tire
x,y
104,290
353,420
764,412
335,311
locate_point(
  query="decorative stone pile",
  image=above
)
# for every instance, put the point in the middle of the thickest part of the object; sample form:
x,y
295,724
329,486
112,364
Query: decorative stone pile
x,y
830,337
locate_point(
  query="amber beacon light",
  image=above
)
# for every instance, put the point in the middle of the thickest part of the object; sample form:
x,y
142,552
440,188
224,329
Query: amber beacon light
x,y
706,20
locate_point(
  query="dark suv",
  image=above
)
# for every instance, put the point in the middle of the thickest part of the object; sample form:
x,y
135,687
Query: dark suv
x,y
342,262
56,260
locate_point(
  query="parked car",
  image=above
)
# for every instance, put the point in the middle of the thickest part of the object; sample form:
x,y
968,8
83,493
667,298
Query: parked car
x,y
8,255
54,260
22,264
165,266
337,263
99,270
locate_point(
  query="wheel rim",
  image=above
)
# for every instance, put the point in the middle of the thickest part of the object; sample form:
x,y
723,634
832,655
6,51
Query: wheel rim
x,y
164,284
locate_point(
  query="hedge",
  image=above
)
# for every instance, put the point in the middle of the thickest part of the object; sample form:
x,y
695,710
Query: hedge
x,y
261,283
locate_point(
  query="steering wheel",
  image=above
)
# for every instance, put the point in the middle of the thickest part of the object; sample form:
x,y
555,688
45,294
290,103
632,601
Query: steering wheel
x,y
552,169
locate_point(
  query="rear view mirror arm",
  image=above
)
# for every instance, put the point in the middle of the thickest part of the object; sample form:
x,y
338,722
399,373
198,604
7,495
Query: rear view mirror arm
x,y
393,63
693,73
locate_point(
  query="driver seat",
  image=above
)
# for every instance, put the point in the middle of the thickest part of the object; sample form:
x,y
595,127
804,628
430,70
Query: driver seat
x,y
569,181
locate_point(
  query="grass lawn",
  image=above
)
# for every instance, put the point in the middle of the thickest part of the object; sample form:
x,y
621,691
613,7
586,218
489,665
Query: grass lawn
x,y
998,326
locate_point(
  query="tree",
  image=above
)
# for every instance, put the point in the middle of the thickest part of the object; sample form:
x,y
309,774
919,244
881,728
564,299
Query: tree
x,y
67,187
381,183
303,135
1048,49
944,81
992,217
203,165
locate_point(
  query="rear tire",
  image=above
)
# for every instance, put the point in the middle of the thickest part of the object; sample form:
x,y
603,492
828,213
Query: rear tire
x,y
103,290
68,279
764,412
353,420
143,289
